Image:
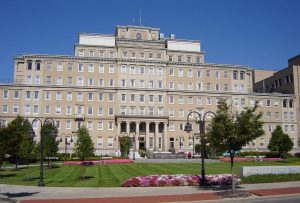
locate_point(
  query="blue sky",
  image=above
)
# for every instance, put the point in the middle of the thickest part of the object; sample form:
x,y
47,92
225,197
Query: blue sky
x,y
258,33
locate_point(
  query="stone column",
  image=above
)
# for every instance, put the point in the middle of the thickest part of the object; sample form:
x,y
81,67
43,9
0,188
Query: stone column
x,y
156,137
165,139
137,134
127,128
147,135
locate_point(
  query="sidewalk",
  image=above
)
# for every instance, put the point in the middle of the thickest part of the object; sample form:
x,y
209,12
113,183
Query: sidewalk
x,y
30,194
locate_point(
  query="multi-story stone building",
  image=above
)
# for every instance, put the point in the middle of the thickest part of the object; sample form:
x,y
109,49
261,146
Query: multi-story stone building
x,y
137,83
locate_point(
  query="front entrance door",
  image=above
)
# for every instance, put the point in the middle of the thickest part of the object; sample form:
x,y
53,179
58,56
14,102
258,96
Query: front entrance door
x,y
142,145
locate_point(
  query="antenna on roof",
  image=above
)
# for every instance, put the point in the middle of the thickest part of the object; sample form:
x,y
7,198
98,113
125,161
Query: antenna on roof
x,y
140,17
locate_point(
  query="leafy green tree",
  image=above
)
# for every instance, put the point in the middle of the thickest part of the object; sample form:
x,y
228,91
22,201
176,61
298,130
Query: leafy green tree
x,y
84,147
197,148
125,144
20,127
280,142
227,133
50,143
6,142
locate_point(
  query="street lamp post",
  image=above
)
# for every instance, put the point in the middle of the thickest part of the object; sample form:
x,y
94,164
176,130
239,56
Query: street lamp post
x,y
134,146
53,132
188,129
66,144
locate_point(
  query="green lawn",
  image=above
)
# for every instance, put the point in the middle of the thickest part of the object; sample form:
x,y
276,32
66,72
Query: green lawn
x,y
112,175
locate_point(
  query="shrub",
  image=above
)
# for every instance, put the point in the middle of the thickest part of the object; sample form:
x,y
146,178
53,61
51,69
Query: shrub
x,y
297,154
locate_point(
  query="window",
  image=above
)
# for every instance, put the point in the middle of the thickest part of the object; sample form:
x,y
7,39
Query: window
x,y
284,103
180,73
199,100
180,85
171,85
190,86
79,81
28,79
100,82
38,65
142,83
180,100
190,73
171,99
70,67
89,125
5,94
101,54
159,71
277,115
111,82
226,88
270,128
286,128
68,110
59,67
4,108
29,65
110,125
189,59
208,101
150,55
15,108
160,84
91,68
132,97
101,69
68,124
36,95
242,75
47,109
59,80
100,111
159,56
151,84
160,99
151,71
81,53
132,69
133,55
124,54
110,141
171,72
208,73
100,97
142,70
35,109
28,95
218,87
151,98
123,69
16,94
132,83
171,126
69,96
100,126
190,100
142,98
48,80
268,103
291,103
235,75
110,111
58,110
90,110
199,73
91,53
198,60
99,141
292,128
90,82
58,95
111,97
217,74
208,86
142,110
111,69
47,95
226,74
142,55
179,58
37,79
79,96
90,96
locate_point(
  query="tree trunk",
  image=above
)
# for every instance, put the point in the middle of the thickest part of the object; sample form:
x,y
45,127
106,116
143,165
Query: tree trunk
x,y
232,153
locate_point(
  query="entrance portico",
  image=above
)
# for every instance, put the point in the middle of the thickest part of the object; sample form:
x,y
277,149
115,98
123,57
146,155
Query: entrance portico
x,y
147,133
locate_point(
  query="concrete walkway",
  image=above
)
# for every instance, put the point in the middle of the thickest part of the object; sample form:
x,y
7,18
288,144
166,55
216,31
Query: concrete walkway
x,y
152,193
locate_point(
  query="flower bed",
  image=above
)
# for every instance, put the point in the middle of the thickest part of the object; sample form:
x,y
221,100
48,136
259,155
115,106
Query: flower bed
x,y
227,159
110,161
178,180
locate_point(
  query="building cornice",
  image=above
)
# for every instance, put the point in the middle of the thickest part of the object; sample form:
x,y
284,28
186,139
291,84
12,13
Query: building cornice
x,y
122,60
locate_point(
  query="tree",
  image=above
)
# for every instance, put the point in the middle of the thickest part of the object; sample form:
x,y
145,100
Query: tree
x,y
227,133
20,130
6,141
84,146
125,144
280,142
50,143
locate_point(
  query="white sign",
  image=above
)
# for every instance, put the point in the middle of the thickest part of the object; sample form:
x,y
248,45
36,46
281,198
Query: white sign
x,y
261,170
